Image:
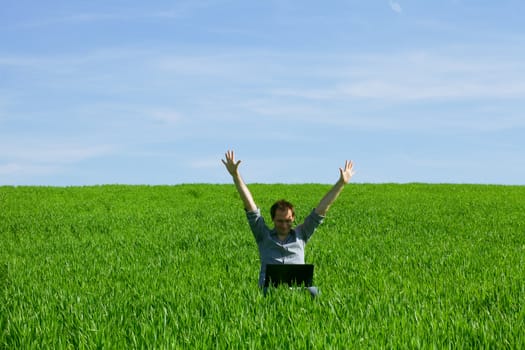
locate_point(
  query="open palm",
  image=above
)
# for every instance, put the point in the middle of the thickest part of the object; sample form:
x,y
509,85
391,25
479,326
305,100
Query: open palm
x,y
230,163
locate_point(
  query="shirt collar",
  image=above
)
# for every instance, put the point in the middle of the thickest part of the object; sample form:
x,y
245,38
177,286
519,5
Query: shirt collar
x,y
273,234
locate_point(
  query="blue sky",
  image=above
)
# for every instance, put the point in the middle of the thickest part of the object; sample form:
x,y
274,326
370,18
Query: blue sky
x,y
154,92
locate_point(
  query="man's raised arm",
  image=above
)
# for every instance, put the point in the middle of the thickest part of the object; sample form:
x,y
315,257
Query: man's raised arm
x,y
345,176
244,192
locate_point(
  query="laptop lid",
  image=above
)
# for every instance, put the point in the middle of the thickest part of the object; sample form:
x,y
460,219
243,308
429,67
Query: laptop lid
x,y
290,274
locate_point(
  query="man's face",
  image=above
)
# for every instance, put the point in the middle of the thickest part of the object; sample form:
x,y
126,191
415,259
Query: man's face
x,y
283,221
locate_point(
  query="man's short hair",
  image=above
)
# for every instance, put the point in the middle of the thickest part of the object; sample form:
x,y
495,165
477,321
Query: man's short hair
x,y
281,205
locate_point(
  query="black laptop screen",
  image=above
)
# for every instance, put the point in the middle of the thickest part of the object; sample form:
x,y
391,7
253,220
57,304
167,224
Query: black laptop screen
x,y
290,274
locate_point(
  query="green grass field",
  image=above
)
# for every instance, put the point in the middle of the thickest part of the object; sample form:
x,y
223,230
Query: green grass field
x,y
398,266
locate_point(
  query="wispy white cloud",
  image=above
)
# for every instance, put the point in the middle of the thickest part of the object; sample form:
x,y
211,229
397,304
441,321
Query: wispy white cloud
x,y
74,18
23,169
48,153
280,84
396,90
419,76
32,160
426,90
166,116
384,117
398,76
181,9
210,163
395,6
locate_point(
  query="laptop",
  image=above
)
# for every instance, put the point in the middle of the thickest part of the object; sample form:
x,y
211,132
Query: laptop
x,y
290,274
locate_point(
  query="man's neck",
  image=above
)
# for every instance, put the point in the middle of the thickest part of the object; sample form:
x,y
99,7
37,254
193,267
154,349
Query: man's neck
x,y
282,237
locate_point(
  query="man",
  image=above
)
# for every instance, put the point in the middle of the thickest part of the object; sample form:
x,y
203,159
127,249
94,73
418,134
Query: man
x,y
283,244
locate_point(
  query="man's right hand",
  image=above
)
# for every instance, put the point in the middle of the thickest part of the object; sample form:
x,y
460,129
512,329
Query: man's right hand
x,y
233,168
230,163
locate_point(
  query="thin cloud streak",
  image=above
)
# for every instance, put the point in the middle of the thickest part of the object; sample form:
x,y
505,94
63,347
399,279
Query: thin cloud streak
x,y
35,160
14,169
399,78
402,75
421,90
60,153
301,114
180,10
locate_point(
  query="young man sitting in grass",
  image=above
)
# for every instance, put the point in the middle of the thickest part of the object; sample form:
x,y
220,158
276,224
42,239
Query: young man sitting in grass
x,y
284,244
